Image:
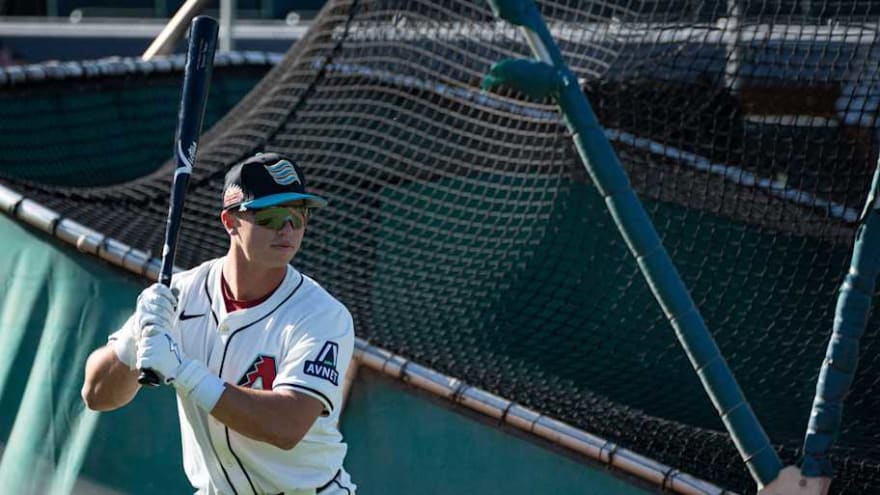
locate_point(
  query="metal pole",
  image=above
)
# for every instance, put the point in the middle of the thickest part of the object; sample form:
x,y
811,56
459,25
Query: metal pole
x,y
227,21
732,23
173,31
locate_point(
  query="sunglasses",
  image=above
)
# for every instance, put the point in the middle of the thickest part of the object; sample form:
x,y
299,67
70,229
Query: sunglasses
x,y
276,218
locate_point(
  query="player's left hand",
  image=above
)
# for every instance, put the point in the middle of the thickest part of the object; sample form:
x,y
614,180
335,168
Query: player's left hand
x,y
158,351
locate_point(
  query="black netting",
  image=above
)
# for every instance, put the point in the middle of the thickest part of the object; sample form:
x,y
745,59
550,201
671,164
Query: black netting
x,y
105,122
464,233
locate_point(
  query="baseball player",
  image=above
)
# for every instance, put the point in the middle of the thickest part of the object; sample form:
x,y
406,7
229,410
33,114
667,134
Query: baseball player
x,y
255,350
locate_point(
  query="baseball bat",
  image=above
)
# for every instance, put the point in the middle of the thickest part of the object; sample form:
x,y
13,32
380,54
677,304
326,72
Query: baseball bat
x,y
193,99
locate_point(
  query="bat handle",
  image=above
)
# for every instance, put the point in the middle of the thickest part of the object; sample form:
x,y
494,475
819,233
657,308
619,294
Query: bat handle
x,y
148,378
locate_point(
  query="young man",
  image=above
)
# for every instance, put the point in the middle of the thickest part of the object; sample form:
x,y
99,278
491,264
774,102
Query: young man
x,y
255,350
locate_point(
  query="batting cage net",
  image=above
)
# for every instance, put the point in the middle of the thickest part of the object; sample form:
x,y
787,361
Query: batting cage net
x,y
464,233
103,122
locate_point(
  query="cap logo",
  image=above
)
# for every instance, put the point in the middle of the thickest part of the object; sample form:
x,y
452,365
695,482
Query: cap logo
x,y
232,195
283,173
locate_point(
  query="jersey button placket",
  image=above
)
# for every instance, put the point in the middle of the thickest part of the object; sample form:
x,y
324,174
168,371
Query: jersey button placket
x,y
216,357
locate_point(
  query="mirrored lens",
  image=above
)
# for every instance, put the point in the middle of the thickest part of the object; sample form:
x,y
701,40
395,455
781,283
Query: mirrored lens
x,y
275,218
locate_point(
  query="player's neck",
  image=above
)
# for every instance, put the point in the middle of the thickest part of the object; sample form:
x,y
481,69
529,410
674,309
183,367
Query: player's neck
x,y
248,281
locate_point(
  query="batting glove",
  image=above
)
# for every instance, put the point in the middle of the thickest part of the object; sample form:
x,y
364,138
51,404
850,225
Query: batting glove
x,y
158,351
156,306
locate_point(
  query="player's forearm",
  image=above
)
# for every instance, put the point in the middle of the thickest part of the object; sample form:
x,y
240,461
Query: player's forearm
x,y
280,419
109,383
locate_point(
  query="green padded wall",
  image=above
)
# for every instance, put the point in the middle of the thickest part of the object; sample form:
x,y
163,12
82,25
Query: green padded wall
x,y
405,442
56,306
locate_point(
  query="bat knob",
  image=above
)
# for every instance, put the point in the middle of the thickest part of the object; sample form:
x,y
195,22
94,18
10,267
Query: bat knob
x,y
148,378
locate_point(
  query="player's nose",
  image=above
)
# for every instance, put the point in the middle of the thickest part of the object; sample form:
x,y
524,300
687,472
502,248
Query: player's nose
x,y
288,227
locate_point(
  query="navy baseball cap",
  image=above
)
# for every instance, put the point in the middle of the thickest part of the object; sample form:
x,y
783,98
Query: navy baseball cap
x,y
264,180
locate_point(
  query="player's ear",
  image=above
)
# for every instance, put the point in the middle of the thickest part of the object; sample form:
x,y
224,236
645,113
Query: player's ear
x,y
230,221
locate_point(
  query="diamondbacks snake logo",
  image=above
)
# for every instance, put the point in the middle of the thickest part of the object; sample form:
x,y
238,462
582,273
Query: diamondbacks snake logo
x,y
260,375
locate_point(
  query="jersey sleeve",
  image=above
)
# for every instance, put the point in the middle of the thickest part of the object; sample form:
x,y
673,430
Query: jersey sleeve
x,y
318,358
121,339
125,331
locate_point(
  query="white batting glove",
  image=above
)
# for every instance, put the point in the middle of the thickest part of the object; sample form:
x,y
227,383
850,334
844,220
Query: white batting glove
x,y
158,351
156,306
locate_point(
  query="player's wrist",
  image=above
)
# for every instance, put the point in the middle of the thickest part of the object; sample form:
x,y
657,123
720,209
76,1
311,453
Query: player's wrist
x,y
195,382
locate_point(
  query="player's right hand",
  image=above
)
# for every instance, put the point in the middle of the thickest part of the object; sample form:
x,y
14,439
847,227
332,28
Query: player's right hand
x,y
156,307
158,351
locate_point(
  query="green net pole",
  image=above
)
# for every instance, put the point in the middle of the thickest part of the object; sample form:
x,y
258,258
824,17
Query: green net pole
x,y
842,354
634,224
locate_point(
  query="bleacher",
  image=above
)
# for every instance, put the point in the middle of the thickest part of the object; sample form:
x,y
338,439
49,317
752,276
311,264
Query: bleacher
x,y
76,30
246,9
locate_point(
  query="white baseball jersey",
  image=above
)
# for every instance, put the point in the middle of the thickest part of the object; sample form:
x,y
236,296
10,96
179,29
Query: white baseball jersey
x,y
300,338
